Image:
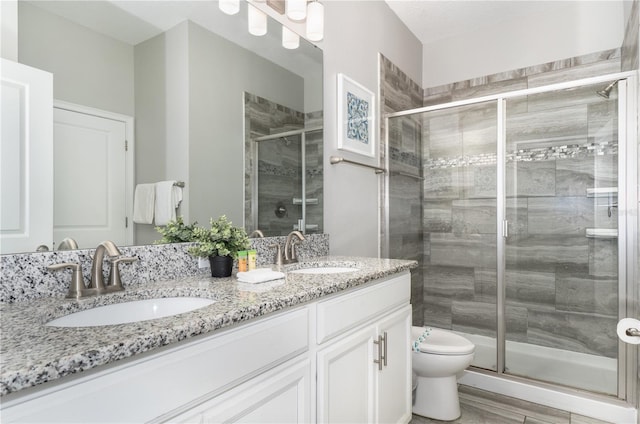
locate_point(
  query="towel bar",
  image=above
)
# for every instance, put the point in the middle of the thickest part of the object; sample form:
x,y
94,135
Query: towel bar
x,y
338,159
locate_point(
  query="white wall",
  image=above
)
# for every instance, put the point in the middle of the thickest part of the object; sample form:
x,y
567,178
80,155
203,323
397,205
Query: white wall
x,y
355,32
573,28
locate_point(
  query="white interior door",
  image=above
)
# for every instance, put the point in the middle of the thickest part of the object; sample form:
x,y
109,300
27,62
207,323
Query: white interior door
x,y
26,170
90,179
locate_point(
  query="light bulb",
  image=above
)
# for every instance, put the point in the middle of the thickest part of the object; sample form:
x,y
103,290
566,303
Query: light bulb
x,y
296,9
290,40
315,21
230,7
257,21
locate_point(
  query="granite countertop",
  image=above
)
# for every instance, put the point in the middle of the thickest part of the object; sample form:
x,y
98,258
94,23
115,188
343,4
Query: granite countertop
x,y
32,353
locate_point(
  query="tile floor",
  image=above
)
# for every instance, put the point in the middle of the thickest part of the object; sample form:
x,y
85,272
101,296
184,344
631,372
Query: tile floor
x,y
479,407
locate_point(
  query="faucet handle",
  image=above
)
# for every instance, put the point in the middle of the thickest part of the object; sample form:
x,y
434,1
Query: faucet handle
x,y
78,287
115,283
278,253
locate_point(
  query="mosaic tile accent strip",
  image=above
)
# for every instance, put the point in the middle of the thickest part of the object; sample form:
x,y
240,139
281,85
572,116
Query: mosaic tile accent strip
x,y
527,155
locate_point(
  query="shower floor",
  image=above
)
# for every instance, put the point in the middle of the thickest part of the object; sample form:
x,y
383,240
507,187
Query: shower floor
x,y
573,369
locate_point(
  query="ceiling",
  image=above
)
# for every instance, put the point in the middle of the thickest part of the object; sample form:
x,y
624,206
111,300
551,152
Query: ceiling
x,y
432,20
135,21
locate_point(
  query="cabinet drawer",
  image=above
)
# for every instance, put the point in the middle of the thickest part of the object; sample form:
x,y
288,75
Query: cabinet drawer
x,y
156,384
349,310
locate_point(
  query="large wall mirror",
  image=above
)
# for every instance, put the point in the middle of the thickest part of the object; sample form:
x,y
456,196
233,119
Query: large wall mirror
x,y
237,118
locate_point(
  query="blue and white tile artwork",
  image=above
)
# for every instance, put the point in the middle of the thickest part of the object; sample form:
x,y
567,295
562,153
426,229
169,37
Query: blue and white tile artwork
x,y
357,118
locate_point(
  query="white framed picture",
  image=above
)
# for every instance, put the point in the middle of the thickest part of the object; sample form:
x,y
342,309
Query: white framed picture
x,y
356,117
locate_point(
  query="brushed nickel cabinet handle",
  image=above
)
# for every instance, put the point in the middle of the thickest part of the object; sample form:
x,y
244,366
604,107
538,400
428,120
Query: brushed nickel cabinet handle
x,y
380,357
385,339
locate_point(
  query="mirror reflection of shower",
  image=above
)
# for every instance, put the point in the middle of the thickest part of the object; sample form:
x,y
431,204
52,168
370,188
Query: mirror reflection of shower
x,y
287,192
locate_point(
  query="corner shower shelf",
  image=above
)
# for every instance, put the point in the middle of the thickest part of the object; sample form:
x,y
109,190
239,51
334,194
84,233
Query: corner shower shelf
x,y
308,227
310,201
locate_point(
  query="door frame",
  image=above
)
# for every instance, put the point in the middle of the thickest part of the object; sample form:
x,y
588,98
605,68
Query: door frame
x,y
129,156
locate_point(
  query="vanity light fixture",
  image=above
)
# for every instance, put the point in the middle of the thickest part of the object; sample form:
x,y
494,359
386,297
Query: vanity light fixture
x,y
257,21
315,21
296,9
230,7
290,40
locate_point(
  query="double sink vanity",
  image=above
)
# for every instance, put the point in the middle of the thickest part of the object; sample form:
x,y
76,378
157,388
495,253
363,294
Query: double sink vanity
x,y
327,343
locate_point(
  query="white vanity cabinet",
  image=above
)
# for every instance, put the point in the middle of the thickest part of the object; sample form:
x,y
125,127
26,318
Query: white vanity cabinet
x,y
162,385
363,360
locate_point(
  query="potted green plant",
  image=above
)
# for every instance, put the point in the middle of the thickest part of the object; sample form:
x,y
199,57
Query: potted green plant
x,y
220,243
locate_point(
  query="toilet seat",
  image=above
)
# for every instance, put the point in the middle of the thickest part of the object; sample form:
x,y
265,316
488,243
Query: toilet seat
x,y
440,342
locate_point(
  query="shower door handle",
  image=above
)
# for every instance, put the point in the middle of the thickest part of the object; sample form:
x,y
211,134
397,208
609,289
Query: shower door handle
x,y
505,228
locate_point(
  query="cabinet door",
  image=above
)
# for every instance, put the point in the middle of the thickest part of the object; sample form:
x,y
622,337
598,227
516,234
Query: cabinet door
x,y
394,380
346,379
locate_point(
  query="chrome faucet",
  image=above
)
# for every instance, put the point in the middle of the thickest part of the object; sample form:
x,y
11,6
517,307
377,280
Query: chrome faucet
x,y
97,277
256,233
79,289
290,246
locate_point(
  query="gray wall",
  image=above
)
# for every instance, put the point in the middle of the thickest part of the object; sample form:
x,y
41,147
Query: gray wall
x,y
89,68
355,32
151,119
219,74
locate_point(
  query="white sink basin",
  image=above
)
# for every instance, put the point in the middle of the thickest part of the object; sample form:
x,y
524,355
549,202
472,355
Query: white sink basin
x,y
325,270
135,311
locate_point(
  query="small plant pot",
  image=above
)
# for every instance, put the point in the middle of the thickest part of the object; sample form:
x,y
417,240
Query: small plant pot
x,y
221,266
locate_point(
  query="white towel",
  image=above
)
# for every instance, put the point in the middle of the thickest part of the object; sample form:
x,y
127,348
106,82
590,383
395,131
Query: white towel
x,y
168,198
144,199
259,275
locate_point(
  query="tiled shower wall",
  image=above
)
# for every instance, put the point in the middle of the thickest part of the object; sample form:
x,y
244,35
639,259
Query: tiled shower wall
x,y
555,274
560,286
279,168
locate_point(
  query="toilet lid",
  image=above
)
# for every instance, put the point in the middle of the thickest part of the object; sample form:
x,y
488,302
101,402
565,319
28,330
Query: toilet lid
x,y
442,342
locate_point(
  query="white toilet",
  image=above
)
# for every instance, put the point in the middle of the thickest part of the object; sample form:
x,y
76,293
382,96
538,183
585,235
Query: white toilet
x,y
439,357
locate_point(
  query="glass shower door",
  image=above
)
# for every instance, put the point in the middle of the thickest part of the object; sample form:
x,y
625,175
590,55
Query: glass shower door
x,y
561,250
459,210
